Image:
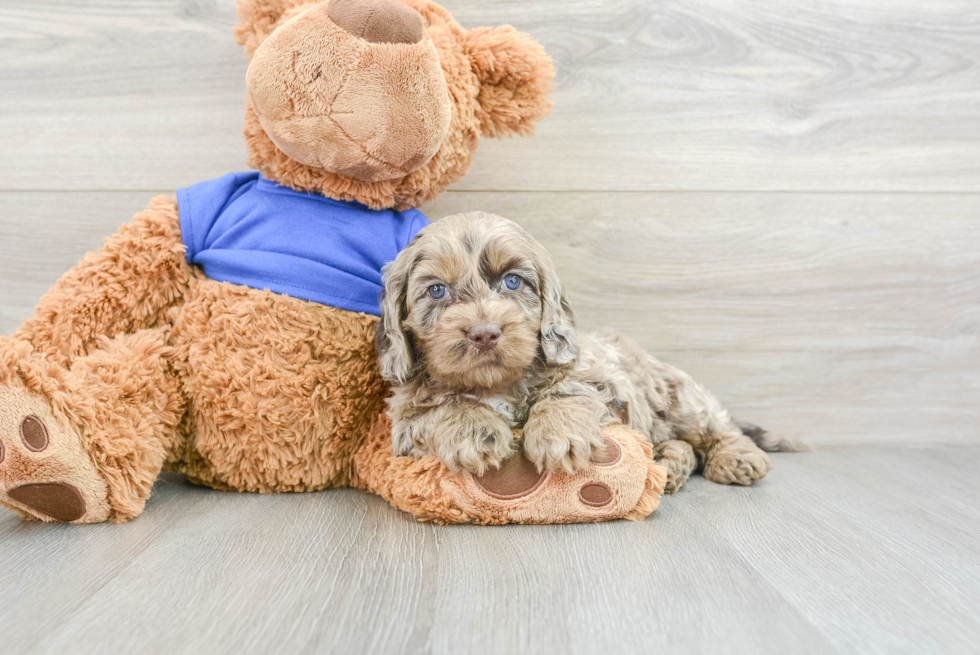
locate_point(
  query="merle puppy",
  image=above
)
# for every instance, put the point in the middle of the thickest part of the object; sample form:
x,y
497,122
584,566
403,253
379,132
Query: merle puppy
x,y
478,339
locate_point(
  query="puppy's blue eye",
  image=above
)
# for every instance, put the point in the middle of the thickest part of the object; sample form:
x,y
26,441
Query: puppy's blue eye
x,y
437,291
512,282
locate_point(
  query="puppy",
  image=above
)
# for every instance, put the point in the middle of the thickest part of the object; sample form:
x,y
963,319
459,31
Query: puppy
x,y
478,340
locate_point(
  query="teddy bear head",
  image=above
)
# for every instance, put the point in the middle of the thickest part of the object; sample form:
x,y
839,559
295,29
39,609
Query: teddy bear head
x,y
380,101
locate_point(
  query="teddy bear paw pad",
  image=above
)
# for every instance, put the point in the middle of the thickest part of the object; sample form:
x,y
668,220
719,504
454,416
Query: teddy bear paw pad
x,y
59,500
595,494
517,477
44,469
609,455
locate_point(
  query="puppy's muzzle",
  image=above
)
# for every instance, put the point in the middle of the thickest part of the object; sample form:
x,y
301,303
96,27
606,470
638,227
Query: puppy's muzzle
x,y
484,337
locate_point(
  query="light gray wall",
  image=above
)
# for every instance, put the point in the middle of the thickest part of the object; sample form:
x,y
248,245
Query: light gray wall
x,y
780,197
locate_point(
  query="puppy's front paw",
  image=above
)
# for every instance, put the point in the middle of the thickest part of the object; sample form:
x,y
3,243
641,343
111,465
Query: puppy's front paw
x,y
678,458
736,466
552,445
473,442
406,439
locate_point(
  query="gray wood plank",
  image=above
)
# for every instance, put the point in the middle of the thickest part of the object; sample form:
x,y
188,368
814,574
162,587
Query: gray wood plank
x,y
836,318
614,588
782,95
839,318
862,540
342,572
328,572
42,235
51,571
851,550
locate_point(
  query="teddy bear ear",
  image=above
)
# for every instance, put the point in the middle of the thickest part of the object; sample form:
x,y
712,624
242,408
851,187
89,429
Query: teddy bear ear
x,y
258,18
515,76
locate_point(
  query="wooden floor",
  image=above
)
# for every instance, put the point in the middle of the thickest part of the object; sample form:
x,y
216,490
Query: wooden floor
x,y
781,197
871,549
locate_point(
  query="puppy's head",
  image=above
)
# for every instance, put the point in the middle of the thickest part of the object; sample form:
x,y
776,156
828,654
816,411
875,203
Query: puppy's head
x,y
472,302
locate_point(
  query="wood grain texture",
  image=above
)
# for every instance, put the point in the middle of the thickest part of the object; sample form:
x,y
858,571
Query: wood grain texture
x,y
670,95
838,318
837,551
779,197
835,318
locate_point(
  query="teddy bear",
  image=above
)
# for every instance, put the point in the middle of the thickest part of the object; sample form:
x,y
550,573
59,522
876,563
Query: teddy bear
x,y
228,333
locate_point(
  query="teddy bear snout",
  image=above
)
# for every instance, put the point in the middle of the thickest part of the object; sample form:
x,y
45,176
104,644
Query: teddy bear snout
x,y
336,99
378,21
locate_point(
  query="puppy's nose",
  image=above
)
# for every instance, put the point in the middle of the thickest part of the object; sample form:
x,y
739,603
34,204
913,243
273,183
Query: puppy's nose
x,y
484,336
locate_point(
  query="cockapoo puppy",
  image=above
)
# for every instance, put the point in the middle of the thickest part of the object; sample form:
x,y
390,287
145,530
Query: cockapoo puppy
x,y
478,340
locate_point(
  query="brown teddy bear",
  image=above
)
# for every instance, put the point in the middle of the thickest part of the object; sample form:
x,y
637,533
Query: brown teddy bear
x,y
228,334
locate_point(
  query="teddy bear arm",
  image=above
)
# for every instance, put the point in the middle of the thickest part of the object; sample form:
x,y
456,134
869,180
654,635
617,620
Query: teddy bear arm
x,y
128,285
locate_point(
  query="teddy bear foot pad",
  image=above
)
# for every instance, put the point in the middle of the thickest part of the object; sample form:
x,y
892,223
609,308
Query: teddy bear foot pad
x,y
44,471
610,487
518,477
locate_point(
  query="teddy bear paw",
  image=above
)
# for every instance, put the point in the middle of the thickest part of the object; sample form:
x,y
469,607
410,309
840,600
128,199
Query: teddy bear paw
x,y
45,473
612,485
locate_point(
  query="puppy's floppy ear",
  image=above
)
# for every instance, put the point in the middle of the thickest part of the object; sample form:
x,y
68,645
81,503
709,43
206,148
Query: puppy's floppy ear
x,y
257,19
395,353
515,77
559,341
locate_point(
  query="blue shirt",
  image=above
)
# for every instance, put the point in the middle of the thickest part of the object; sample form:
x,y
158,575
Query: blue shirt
x,y
245,229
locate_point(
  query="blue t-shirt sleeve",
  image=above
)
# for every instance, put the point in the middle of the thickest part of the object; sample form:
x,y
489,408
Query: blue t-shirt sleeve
x,y
200,205
416,221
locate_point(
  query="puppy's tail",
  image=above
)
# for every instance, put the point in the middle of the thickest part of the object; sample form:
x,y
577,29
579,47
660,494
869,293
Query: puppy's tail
x,y
770,442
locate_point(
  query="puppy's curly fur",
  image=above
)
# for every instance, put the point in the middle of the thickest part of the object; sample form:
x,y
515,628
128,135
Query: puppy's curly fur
x,y
478,339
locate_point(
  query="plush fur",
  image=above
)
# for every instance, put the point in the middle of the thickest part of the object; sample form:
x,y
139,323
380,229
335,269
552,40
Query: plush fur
x,y
460,394
424,487
497,81
136,362
332,100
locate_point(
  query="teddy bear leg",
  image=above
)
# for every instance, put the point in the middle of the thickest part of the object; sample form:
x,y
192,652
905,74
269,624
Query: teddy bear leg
x,y
621,481
678,459
128,285
86,445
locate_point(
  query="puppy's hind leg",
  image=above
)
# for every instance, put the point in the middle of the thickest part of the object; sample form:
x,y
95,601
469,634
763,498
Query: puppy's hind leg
x,y
733,458
729,456
680,461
